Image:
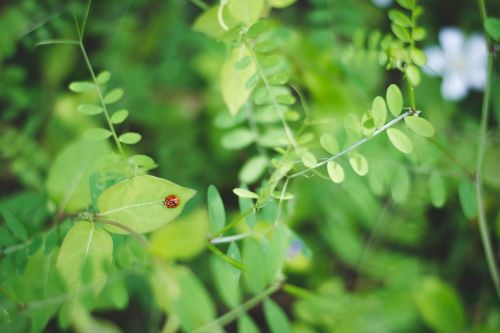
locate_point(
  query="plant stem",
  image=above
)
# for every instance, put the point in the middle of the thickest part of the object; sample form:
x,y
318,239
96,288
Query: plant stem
x,y
356,144
237,311
483,223
141,239
101,97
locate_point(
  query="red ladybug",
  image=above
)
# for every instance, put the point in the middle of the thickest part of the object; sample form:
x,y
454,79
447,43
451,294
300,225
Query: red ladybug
x,y
171,201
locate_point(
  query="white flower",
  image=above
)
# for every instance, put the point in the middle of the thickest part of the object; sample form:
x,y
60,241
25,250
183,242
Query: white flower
x,y
460,61
382,3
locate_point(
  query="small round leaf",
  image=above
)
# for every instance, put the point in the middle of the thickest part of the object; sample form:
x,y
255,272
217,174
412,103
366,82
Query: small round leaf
x,y
119,116
420,126
336,172
97,134
113,96
394,100
89,109
130,138
400,140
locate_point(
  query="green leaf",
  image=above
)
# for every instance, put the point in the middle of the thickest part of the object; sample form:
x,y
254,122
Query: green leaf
x,y
335,171
246,11
492,26
244,193
408,4
253,169
243,62
437,189
216,210
90,109
130,138
281,3
265,46
119,116
439,306
400,185
226,277
233,81
182,239
97,134
254,261
276,318
137,203
394,100
6,238
418,57
113,96
81,86
142,161
401,33
278,79
247,325
367,123
419,34
467,196
103,77
329,143
276,252
68,179
413,74
192,304
308,159
14,225
379,112
358,163
257,29
420,126
352,126
85,245
237,139
400,140
400,18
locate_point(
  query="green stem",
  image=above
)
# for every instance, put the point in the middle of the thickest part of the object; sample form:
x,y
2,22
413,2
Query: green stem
x,y
481,146
237,311
101,97
411,94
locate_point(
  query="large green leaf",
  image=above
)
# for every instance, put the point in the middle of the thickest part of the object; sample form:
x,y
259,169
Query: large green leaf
x,y
68,183
254,260
227,277
233,80
85,246
182,239
137,203
216,210
246,11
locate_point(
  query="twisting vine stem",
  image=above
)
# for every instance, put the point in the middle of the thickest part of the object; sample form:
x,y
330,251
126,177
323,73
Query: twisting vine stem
x,y
483,223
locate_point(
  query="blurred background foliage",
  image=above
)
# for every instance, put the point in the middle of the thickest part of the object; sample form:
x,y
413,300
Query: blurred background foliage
x,y
390,252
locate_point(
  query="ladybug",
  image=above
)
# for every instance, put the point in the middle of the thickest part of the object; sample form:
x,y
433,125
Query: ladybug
x,y
171,201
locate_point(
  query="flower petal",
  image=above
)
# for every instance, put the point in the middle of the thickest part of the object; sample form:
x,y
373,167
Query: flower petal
x,y
451,40
454,87
436,62
477,56
382,3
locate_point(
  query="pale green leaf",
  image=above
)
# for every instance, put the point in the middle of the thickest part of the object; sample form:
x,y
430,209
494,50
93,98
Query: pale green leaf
x,y
308,159
246,11
420,126
401,33
257,29
358,163
254,260
335,171
243,62
394,100
244,193
400,185
113,96
400,140
97,134
439,306
281,3
276,252
437,189
142,161
419,34
182,239
400,18
208,24
278,79
413,74
329,143
418,57
130,138
253,169
233,81
81,86
119,116
137,203
226,277
276,318
367,123
216,210
89,109
379,112
237,139
85,245
247,325
352,126
408,4
68,179
103,77
265,46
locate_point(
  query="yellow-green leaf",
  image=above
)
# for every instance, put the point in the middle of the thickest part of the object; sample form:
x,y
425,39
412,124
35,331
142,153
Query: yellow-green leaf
x,y
335,171
113,96
359,163
394,99
400,140
420,126
246,11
